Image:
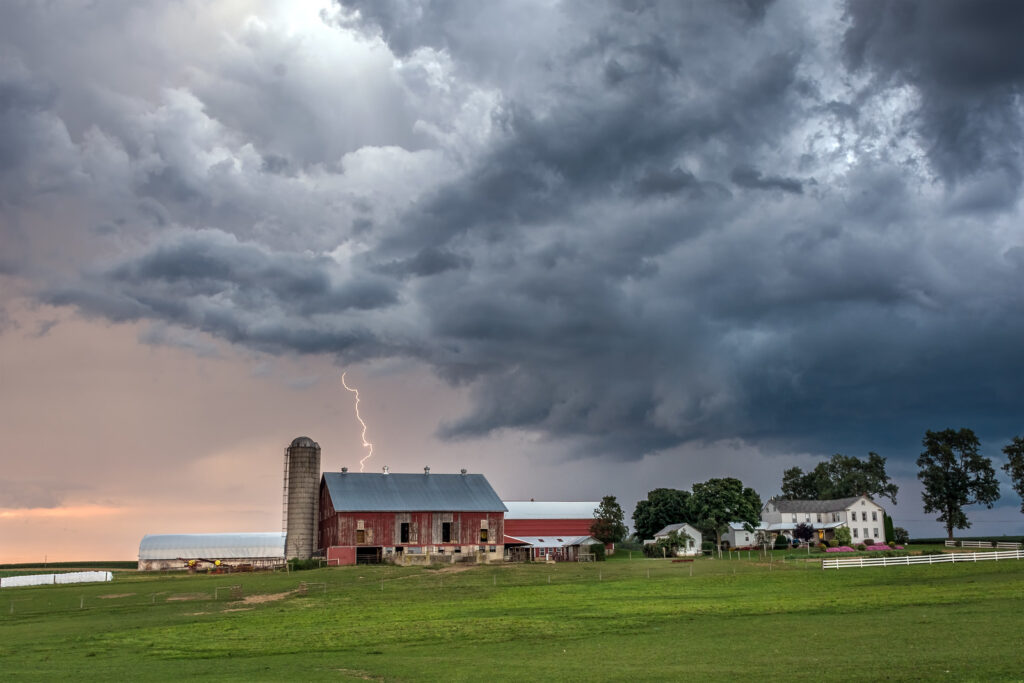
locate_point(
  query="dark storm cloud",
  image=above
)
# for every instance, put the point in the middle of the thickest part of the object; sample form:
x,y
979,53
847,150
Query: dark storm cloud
x,y
626,225
750,178
966,61
210,281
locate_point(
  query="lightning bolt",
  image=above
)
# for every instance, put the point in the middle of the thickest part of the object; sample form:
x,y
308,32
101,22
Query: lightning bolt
x,y
366,444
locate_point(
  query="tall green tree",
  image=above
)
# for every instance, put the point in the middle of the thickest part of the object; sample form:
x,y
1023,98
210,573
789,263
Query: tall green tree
x,y
661,508
717,502
890,530
1015,467
608,525
955,474
841,476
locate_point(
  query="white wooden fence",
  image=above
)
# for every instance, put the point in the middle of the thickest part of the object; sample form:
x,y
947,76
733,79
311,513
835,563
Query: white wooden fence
x,y
982,544
840,563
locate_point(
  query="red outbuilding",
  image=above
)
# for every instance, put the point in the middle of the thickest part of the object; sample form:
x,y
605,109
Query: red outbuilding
x,y
409,518
528,519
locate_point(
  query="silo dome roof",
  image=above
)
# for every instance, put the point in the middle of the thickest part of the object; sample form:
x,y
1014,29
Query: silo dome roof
x,y
304,442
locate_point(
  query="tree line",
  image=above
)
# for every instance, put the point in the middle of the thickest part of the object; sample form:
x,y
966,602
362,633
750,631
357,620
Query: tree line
x,y
951,467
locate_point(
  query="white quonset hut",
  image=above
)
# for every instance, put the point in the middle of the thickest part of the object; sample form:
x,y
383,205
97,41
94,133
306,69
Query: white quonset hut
x,y
173,551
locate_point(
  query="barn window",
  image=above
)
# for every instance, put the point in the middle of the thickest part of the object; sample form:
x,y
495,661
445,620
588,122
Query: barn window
x,y
404,537
446,532
360,536
483,535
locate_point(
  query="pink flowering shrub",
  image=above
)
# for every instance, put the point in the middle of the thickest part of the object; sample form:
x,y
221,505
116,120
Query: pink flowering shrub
x,y
878,547
840,549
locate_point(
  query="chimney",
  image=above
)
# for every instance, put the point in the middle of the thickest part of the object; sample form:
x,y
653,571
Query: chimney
x,y
386,470
344,470
426,470
463,471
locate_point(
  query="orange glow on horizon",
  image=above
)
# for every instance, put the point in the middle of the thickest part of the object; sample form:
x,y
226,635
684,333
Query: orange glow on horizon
x,y
69,511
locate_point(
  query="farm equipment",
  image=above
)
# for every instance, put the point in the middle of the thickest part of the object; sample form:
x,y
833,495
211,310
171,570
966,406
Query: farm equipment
x,y
216,566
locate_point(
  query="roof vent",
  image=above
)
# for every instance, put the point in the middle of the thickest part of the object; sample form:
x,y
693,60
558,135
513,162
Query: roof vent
x,y
344,470
386,470
463,471
426,470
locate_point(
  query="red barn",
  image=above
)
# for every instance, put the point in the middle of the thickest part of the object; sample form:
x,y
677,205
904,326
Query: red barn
x,y
529,521
409,518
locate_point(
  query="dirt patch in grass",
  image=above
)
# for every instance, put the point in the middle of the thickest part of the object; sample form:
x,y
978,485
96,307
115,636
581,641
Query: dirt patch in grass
x,y
456,568
237,609
269,597
363,675
188,596
115,595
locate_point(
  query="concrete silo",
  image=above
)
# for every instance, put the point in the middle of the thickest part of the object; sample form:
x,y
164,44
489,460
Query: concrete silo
x,y
301,496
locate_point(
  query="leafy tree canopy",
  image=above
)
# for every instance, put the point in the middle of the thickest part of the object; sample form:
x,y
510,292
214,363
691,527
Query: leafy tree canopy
x,y
841,476
717,502
955,474
662,507
1015,467
608,525
803,532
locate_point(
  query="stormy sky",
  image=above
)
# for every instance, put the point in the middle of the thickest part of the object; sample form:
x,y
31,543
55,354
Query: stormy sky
x,y
584,248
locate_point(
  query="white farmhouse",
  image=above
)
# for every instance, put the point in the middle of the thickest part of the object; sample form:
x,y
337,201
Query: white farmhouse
x,y
864,517
738,537
692,546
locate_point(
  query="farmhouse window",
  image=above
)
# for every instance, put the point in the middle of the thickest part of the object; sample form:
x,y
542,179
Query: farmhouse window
x,y
874,516
835,516
874,532
794,518
863,516
855,532
360,536
446,532
819,518
865,532
404,537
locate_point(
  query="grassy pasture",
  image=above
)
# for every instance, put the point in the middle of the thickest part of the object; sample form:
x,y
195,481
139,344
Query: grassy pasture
x,y
617,620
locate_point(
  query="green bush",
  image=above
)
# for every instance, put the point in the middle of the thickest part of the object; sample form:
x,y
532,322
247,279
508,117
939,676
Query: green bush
x,y
869,541
860,546
932,552
781,542
890,531
823,546
842,536
295,564
598,550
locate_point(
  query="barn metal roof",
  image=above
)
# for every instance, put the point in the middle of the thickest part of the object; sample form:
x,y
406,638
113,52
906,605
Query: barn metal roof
x,y
529,509
212,546
372,492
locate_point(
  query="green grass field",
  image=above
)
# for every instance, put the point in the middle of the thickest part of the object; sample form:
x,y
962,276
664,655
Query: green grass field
x,y
617,620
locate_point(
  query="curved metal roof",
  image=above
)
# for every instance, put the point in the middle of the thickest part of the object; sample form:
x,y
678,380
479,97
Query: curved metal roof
x,y
212,546
304,442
